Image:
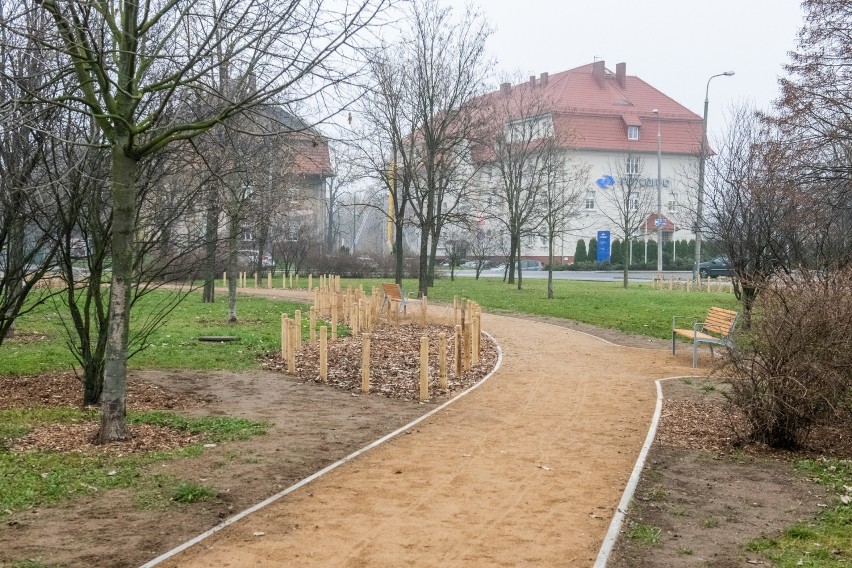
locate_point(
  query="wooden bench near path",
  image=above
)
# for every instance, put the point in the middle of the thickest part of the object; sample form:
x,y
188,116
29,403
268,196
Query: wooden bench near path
x,y
716,329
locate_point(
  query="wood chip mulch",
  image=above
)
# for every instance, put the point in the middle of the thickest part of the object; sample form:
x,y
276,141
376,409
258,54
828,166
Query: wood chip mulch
x,y
394,361
709,425
77,437
52,390
64,389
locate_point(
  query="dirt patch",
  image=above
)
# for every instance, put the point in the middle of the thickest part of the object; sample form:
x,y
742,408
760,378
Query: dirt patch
x,y
313,425
709,493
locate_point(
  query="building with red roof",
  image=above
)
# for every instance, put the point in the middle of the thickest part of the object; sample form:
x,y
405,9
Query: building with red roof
x,y
609,122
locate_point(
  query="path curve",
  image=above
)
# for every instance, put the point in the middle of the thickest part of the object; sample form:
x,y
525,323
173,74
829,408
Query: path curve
x,y
525,471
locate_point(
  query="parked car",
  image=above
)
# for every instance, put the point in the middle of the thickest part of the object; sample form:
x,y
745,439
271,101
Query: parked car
x,y
719,266
531,265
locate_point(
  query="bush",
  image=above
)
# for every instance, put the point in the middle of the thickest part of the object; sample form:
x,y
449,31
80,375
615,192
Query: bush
x,y
792,370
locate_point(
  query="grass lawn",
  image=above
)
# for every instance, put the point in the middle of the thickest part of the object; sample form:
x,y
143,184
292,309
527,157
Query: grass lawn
x,y
173,346
638,309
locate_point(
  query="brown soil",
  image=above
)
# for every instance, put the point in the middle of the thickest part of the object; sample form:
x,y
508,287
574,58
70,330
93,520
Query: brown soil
x,y
526,470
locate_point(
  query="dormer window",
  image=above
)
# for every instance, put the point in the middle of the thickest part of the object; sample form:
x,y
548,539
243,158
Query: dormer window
x,y
633,133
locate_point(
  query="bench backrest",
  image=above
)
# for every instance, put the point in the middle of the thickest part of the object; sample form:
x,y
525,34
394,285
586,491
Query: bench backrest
x,y
721,321
392,291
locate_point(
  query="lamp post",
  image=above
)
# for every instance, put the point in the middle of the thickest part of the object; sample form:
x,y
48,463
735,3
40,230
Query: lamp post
x,y
702,158
659,220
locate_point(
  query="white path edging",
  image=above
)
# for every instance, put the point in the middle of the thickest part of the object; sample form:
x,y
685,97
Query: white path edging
x,y
323,471
630,488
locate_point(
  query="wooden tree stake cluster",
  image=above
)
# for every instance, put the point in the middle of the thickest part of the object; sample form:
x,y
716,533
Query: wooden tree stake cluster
x,y
467,316
720,284
365,363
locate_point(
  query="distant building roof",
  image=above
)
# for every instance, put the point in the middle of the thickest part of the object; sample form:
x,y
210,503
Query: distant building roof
x,y
596,106
310,152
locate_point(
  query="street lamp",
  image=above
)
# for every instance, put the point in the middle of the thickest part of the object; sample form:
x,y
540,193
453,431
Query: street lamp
x,y
702,158
659,221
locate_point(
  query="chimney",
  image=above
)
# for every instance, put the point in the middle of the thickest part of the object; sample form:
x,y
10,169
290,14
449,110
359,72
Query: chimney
x,y
543,79
599,71
506,88
621,74
532,81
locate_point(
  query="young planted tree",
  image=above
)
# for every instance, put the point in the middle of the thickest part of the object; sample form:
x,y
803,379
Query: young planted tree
x,y
562,197
140,67
629,202
449,67
528,155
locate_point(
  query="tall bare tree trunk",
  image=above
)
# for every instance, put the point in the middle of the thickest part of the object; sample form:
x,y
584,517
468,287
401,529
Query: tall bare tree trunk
x,y
211,233
233,233
550,268
113,398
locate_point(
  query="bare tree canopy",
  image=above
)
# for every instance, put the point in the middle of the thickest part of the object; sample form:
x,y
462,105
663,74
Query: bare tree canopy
x,y
155,72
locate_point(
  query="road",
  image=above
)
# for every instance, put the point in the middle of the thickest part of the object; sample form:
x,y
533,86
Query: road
x,y
589,275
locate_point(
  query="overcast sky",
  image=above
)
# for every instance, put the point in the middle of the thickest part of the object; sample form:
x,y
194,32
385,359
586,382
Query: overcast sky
x,y
674,45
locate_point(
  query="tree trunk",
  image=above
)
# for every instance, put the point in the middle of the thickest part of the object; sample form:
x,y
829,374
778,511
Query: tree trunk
x,y
399,253
520,276
423,276
233,269
550,268
513,247
113,399
211,233
625,258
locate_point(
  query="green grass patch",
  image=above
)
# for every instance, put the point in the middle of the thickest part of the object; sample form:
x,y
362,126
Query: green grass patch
x,y
825,542
644,535
173,346
187,492
639,309
34,478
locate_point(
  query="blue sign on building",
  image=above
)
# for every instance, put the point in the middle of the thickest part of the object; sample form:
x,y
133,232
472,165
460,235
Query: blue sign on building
x,y
603,246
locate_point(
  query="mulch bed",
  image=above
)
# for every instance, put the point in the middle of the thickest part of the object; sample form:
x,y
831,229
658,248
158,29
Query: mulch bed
x,y
394,361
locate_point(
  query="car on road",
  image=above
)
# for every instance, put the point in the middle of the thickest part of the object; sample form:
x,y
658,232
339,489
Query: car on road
x,y
531,265
719,266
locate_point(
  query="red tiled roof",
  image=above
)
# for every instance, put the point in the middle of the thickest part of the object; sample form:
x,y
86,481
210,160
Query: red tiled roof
x,y
310,155
590,103
651,223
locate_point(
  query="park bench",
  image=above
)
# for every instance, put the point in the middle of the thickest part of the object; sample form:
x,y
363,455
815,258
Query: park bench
x,y
393,293
716,329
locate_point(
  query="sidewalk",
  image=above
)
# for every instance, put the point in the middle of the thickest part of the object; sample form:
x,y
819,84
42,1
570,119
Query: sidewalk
x,y
524,471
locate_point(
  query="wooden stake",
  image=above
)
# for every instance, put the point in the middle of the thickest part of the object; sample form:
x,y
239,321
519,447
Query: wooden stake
x,y
334,322
365,363
310,282
323,354
291,282
255,279
424,305
225,279
474,332
424,368
291,349
283,337
298,323
458,351
442,360
312,333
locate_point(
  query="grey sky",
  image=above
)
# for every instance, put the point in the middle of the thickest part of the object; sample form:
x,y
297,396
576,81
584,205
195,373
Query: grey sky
x,y
675,45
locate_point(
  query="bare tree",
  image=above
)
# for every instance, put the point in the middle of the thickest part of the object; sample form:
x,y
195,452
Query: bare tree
x,y
27,244
629,202
140,66
526,154
561,201
753,207
815,118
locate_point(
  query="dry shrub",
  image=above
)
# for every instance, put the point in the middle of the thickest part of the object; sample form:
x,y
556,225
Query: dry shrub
x,y
793,370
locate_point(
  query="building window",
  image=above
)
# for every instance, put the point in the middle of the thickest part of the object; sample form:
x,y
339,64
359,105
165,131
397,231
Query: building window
x,y
634,203
633,133
632,166
590,200
529,129
673,202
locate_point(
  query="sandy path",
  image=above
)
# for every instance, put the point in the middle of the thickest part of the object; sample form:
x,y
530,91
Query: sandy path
x,y
525,471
